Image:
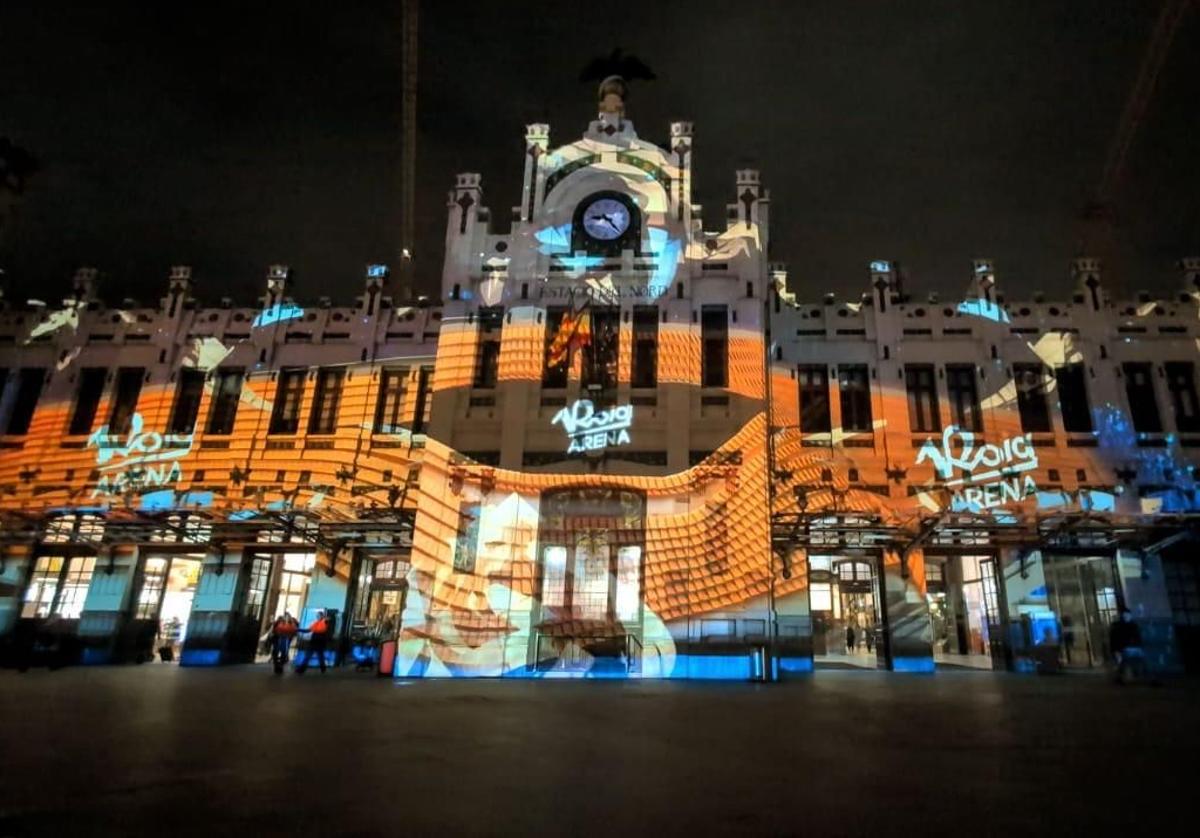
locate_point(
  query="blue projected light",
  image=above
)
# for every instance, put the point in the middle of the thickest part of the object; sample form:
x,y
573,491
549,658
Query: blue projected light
x,y
921,664
554,239
200,657
668,251
162,499
277,313
985,309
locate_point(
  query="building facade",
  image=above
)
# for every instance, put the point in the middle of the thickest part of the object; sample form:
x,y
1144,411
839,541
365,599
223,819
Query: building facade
x,y
617,447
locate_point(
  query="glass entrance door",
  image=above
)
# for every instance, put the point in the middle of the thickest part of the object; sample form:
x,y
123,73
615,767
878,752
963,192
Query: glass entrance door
x,y
590,591
274,583
964,609
843,596
589,581
1083,592
164,602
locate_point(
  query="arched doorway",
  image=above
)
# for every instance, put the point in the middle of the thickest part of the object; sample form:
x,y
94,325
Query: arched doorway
x,y
591,560
844,599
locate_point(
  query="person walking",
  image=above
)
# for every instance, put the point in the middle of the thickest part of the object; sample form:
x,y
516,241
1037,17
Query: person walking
x,y
282,632
318,639
1125,643
849,639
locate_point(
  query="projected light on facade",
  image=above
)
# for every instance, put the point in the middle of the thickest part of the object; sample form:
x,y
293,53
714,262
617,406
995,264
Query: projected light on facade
x,y
145,459
589,430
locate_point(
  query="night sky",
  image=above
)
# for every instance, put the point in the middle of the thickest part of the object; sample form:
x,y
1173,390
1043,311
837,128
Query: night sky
x,y
231,136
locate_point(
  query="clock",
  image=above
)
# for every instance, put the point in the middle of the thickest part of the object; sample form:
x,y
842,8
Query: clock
x,y
606,219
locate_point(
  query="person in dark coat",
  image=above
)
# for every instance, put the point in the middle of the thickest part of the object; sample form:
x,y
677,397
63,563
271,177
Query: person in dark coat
x,y
849,639
1125,642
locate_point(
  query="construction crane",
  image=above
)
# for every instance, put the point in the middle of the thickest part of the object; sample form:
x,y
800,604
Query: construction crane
x,y
408,146
1099,210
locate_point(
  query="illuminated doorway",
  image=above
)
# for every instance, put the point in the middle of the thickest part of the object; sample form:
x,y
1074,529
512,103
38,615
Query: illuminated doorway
x,y
273,583
844,602
164,605
1082,591
965,611
379,593
592,546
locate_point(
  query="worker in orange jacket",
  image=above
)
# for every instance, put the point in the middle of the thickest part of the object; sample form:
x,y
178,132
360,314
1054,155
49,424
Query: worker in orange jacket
x,y
318,639
282,632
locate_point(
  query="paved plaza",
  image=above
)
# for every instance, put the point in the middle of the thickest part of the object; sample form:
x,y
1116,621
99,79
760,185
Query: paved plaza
x,y
161,750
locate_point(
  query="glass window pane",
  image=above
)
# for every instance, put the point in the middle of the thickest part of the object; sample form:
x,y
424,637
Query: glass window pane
x,y
820,596
554,576
629,564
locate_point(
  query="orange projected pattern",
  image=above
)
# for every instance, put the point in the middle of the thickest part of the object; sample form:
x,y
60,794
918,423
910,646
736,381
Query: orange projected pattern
x,y
248,470
710,552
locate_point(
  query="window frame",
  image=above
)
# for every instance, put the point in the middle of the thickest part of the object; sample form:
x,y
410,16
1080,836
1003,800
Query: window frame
x,y
1076,419
187,375
1140,403
393,392
854,396
964,401
89,393
225,402
327,397
914,391
1183,373
1033,397
127,391
714,344
815,411
281,424
645,339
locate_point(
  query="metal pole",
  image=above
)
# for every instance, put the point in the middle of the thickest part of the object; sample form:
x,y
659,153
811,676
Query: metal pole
x,y
408,146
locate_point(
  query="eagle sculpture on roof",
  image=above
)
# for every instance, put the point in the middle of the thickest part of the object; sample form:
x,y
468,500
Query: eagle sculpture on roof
x,y
617,63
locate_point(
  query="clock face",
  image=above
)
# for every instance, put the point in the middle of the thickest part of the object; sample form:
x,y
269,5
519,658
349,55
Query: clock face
x,y
606,219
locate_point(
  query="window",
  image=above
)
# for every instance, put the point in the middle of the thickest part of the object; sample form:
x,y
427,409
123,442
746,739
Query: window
x,y
814,398
466,543
714,346
1181,383
187,401
227,392
487,361
923,416
87,399
645,346
285,417
129,387
389,410
964,397
424,403
855,388
1183,590
820,596
29,388
75,584
325,401
154,579
43,585
600,353
1139,389
554,376
1032,402
1073,399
